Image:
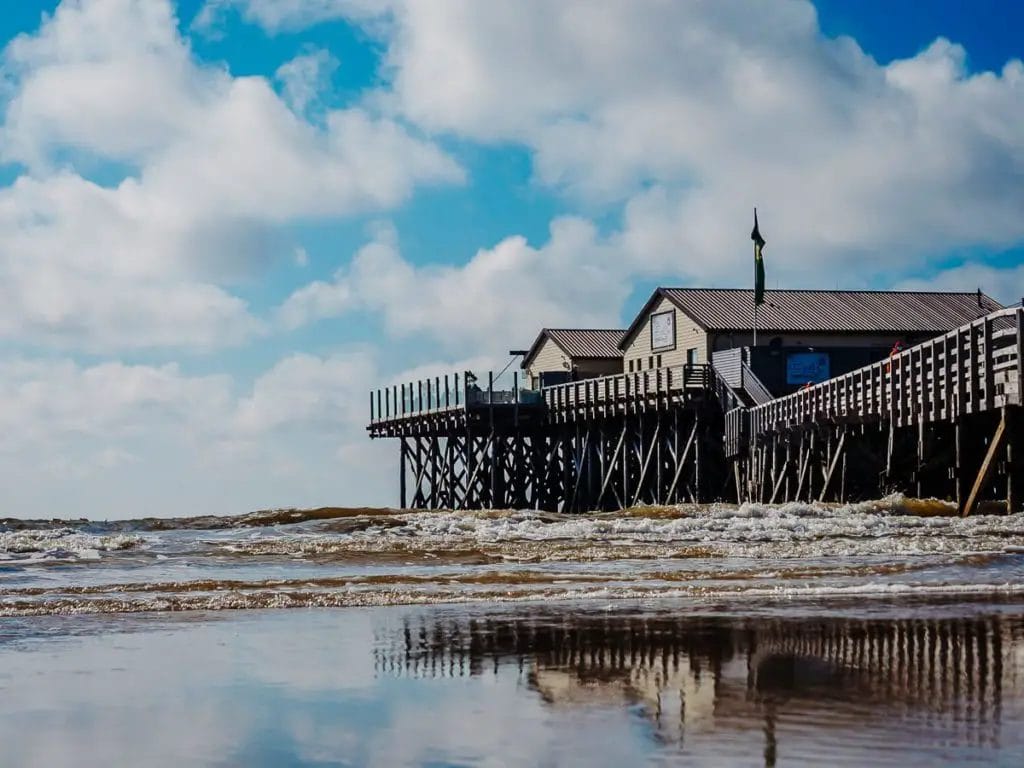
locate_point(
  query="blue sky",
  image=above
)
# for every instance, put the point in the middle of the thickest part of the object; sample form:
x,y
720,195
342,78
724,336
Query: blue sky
x,y
221,221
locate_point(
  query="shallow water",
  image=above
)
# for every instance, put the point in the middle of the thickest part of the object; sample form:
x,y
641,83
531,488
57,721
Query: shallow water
x,y
383,557
886,633
664,682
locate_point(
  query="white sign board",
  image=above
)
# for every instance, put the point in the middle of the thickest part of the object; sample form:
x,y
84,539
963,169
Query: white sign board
x,y
663,330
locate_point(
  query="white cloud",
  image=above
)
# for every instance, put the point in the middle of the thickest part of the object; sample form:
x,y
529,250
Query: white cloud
x,y
306,392
50,404
304,78
218,165
692,113
114,440
501,296
1006,284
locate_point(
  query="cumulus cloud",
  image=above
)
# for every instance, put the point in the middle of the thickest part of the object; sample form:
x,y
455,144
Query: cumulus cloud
x,y
501,296
217,164
48,403
689,114
118,440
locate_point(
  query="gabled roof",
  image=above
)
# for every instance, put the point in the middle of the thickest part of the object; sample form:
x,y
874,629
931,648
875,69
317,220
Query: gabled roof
x,y
580,343
732,309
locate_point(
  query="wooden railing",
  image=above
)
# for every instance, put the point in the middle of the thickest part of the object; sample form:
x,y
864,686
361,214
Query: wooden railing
x,y
977,367
443,394
609,394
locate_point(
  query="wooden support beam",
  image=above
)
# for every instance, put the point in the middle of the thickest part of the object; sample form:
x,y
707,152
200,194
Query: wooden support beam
x,y
646,463
470,483
582,459
681,462
783,474
805,460
403,459
960,466
611,465
987,465
832,466
1014,460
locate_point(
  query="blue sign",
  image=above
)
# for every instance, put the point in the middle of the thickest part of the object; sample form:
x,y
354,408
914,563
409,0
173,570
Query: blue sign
x,y
803,367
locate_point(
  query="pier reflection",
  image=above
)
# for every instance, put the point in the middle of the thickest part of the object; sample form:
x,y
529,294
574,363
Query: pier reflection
x,y
935,681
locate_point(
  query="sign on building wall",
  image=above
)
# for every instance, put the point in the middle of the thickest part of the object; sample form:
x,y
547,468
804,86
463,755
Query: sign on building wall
x,y
663,330
803,367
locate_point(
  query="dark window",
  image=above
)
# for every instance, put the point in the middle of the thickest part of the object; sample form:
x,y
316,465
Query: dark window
x,y
650,361
659,361
691,356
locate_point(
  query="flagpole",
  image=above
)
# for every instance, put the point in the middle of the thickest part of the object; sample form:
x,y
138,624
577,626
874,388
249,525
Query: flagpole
x,y
755,290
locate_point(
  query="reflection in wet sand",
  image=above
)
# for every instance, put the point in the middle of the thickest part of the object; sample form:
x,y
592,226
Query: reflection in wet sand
x,y
924,683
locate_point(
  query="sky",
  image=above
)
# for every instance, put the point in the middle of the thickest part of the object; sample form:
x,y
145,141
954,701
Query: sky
x,y
222,222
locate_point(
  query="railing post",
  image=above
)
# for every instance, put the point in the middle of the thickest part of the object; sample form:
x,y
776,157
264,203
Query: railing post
x,y
447,393
515,397
419,394
371,407
1019,314
990,374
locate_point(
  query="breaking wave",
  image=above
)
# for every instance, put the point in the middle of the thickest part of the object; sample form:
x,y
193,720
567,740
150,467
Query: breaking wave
x,y
61,545
895,547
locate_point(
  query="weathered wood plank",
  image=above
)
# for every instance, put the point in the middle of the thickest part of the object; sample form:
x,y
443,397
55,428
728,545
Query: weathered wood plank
x,y
987,465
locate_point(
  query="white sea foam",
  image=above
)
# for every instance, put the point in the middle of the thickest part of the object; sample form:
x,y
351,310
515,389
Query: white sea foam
x,y
403,595
750,530
62,544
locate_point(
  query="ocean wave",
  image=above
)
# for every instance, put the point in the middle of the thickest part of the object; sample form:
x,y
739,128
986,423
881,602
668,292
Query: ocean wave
x,y
344,598
259,519
62,545
749,530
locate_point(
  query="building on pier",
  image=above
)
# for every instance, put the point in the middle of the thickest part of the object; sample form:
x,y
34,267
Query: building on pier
x,y
559,355
688,325
693,411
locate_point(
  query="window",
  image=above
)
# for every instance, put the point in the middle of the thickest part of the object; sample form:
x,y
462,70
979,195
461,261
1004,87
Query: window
x,y
691,356
650,361
659,360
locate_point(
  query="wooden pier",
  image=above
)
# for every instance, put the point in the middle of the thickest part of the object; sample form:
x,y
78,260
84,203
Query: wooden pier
x,y
941,419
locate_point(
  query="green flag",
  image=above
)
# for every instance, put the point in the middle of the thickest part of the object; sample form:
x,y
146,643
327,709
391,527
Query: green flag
x,y
755,235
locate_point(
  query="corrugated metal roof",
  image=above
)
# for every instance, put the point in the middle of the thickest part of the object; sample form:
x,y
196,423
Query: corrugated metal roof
x,y
732,309
579,342
587,342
